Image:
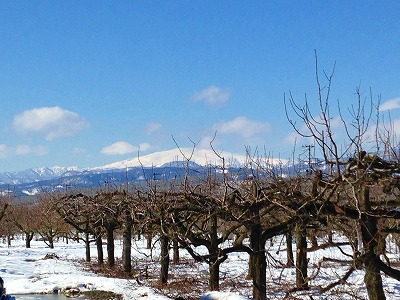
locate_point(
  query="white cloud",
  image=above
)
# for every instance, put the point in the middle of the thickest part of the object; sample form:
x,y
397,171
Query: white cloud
x,y
4,151
144,147
40,150
335,123
21,150
119,148
386,129
396,128
292,138
213,96
243,127
152,127
53,122
78,150
390,104
206,140
25,150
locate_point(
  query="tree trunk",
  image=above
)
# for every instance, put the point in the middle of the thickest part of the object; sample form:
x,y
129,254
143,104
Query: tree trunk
x,y
127,244
258,263
369,232
214,264
99,246
164,258
213,268
51,242
149,240
28,239
110,246
373,279
289,249
301,256
257,260
87,246
250,270
175,246
314,241
330,237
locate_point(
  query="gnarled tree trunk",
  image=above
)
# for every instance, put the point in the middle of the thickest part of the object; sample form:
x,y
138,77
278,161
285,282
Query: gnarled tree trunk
x,y
164,258
110,246
301,256
369,231
127,243
99,246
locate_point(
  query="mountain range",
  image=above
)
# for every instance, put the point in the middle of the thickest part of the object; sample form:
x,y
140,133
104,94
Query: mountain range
x,y
170,164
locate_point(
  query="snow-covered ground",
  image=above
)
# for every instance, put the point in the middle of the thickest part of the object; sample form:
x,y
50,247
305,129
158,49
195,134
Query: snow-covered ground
x,y
27,271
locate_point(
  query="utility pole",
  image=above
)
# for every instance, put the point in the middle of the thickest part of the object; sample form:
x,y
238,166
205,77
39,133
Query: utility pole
x,y
309,147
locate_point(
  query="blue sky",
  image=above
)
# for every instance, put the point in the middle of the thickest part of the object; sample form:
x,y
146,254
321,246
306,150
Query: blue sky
x,y
86,83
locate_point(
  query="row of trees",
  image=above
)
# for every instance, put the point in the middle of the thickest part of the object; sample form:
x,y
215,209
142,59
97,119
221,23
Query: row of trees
x,y
355,194
226,216
30,218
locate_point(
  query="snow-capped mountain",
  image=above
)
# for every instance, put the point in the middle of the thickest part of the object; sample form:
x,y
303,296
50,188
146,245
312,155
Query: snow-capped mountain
x,y
202,157
36,174
165,165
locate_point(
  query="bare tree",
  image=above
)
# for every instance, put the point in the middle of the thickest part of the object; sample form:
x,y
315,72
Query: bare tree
x,y
356,169
76,209
24,216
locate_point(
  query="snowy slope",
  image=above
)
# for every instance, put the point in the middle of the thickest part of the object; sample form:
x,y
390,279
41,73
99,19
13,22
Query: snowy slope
x,y
32,181
201,157
37,174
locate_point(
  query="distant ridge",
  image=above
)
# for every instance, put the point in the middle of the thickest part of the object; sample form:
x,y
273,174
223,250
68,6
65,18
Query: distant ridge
x,y
202,157
159,165
37,174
